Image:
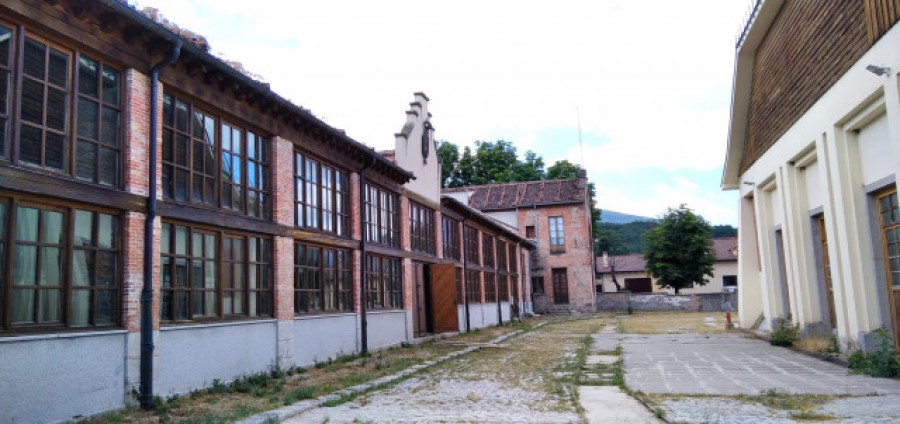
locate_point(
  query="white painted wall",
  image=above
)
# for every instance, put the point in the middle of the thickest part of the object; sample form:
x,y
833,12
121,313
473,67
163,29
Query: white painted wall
x,y
875,154
408,154
54,377
490,314
320,337
386,328
510,218
191,357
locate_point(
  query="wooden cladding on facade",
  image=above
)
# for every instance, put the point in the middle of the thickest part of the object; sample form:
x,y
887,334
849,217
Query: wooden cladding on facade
x,y
809,46
881,15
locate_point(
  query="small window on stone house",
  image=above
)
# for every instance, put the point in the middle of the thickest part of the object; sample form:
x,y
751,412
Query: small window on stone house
x,y
529,231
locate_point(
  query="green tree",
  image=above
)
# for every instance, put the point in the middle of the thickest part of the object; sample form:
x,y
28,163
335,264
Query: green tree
x,y
530,169
496,161
679,250
720,231
448,154
464,173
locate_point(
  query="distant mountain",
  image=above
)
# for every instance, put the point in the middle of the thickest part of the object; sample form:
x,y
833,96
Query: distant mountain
x,y
613,217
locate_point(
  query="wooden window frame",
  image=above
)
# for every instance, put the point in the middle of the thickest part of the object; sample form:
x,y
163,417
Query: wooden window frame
x,y
211,145
450,238
342,293
264,271
381,220
473,286
487,250
557,234
421,229
331,208
490,287
67,251
470,238
384,283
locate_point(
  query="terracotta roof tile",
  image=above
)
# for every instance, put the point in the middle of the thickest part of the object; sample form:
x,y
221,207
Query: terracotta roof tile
x,y
523,194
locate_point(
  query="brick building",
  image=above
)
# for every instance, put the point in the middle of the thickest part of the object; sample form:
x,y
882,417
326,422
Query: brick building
x,y
556,216
814,151
273,238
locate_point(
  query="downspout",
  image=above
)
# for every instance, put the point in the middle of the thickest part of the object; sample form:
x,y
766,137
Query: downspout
x,y
496,278
466,273
147,292
363,324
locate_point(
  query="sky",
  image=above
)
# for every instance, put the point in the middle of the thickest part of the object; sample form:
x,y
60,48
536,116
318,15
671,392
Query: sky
x,y
637,92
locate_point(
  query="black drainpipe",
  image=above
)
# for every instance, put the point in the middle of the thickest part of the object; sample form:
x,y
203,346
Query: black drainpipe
x,y
147,292
466,273
363,324
497,279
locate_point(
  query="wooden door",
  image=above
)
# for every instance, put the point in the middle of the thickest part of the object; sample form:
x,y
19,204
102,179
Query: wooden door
x,y
889,214
560,286
826,271
443,290
419,301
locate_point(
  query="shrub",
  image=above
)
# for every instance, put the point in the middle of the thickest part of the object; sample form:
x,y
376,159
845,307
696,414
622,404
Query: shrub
x,y
785,332
882,361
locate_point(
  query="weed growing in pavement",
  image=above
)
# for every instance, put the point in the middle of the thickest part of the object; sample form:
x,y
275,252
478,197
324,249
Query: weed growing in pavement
x,y
882,361
809,413
659,413
785,332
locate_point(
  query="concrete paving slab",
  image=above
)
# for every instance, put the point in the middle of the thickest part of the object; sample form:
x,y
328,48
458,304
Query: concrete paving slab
x,y
730,364
608,404
600,359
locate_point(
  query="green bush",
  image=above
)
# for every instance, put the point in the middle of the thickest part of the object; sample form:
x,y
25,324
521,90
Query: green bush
x,y
882,361
785,332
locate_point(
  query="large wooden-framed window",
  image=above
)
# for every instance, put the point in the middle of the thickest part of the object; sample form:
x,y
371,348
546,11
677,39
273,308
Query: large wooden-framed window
x,y
487,250
208,273
503,287
470,238
213,162
51,87
560,286
889,217
473,286
384,283
460,286
557,236
381,216
421,228
450,236
321,196
322,279
490,287
59,266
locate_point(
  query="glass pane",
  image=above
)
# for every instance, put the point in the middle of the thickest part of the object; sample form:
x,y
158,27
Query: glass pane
x,y
251,304
23,306
181,149
110,127
238,307
51,266
107,231
35,56
58,70
107,263
53,224
210,303
181,115
88,118
55,152
4,94
80,308
228,303
32,102
30,144
197,245
165,310
182,302
168,110
5,41
166,271
25,265
198,302
106,307
181,235
57,106
87,76
181,184
165,238
85,160
26,224
209,281
2,220
49,304
238,276
252,277
181,272
210,251
196,273
110,86
82,268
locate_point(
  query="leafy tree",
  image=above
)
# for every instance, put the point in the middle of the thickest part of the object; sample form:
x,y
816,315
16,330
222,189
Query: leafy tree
x,y
530,169
631,233
562,169
465,170
448,154
720,231
679,250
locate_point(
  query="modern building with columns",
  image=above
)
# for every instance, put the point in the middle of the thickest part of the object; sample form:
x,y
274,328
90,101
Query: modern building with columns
x,y
273,238
814,150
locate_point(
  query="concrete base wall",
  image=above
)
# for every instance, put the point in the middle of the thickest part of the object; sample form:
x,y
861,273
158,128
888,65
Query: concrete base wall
x,y
55,377
621,301
318,338
490,314
386,328
506,311
191,357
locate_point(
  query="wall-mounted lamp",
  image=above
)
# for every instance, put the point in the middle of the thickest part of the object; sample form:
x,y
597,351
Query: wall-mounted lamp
x,y
749,183
878,70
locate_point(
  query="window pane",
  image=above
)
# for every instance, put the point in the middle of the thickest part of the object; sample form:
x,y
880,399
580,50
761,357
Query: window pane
x,y
181,234
166,306
4,93
2,221
80,307
25,265
57,106
32,102
165,238
35,56
26,224
107,232
106,307
106,269
181,150
82,268
181,115
110,86
181,272
85,160
110,133
5,41
87,118
53,223
182,305
58,71
87,76
55,151
23,306
51,266
49,304
30,144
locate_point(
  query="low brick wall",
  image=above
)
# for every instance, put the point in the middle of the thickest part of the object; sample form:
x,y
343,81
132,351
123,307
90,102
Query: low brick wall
x,y
620,301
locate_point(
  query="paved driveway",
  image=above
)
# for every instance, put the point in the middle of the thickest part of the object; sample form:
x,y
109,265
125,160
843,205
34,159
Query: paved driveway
x,y
730,364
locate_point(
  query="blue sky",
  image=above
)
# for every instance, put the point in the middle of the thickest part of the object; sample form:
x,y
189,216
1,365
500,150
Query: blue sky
x,y
649,81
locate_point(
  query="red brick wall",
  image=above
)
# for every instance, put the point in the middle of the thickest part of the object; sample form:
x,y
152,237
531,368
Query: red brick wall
x,y
137,130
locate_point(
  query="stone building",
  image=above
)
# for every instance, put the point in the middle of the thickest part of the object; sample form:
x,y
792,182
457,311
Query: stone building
x,y
814,150
556,216
167,221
